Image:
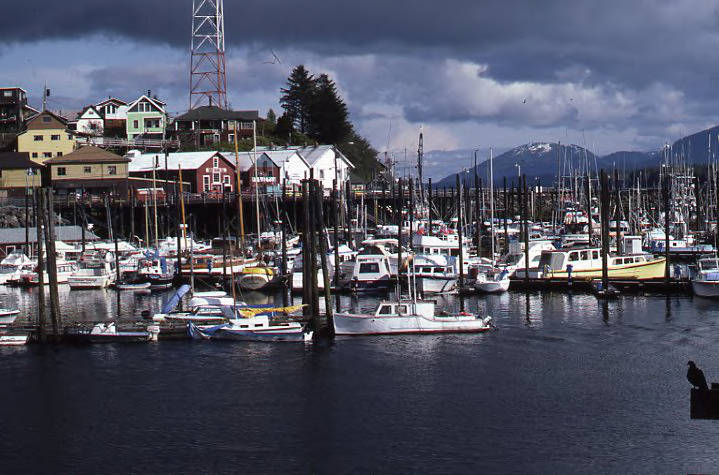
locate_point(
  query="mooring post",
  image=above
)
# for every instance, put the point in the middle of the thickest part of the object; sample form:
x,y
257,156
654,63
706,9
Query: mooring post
x,y
604,198
335,222
327,324
49,221
39,206
313,251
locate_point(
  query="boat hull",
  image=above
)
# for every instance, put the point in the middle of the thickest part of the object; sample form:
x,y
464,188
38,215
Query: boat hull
x,y
492,286
284,334
708,288
355,324
433,285
642,271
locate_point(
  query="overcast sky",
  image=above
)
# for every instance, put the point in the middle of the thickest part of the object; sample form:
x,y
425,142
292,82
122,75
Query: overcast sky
x,y
609,74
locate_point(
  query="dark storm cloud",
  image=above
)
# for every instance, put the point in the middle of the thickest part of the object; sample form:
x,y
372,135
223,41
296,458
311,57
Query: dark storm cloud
x,y
628,42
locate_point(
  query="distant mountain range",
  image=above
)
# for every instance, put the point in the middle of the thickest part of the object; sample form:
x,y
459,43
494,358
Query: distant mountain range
x,y
541,162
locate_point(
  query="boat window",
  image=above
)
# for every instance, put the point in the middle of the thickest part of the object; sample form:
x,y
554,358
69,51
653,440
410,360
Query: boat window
x,y
426,269
401,310
585,255
574,256
244,326
258,325
369,268
595,254
629,260
385,310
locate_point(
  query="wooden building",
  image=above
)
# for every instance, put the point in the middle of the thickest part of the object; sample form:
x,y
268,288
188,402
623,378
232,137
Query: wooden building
x,y
207,172
46,136
18,174
89,170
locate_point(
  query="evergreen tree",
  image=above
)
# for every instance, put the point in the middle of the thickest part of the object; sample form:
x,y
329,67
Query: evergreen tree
x,y
284,129
297,97
271,117
329,119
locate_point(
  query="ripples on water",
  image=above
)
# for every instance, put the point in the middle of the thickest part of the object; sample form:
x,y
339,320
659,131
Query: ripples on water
x,y
566,384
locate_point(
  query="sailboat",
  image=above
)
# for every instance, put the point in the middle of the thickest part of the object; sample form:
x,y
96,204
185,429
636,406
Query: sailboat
x,y
493,281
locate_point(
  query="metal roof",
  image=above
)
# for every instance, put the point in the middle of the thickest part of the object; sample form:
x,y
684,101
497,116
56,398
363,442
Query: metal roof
x,y
62,233
187,160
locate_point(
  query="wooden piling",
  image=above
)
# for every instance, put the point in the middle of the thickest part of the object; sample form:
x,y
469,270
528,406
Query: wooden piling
x,y
41,319
327,327
49,222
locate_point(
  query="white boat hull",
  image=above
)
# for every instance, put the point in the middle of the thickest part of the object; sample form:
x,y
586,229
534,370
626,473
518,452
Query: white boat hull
x,y
433,285
492,286
89,282
706,288
357,324
8,317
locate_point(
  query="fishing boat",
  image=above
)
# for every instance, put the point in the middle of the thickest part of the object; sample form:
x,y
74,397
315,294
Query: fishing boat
x,y
154,270
13,265
109,333
14,340
257,328
8,316
492,282
96,270
435,274
587,264
407,316
706,281
64,271
133,286
258,277
371,273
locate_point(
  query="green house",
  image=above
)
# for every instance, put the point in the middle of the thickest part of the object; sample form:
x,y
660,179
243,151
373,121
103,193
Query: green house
x,y
146,117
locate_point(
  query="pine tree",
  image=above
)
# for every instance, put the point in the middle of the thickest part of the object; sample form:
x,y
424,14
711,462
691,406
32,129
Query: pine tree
x,y
329,120
271,117
296,98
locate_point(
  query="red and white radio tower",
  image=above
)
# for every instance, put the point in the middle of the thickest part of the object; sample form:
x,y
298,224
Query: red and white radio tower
x,y
207,54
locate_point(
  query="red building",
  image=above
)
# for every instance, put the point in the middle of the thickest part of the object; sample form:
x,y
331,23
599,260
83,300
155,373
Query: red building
x,y
206,172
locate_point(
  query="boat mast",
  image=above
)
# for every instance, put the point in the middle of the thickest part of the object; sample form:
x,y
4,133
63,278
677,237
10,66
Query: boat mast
x,y
257,190
491,196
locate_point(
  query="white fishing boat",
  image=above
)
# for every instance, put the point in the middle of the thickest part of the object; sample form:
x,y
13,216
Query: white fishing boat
x,y
64,271
492,282
257,328
371,273
408,316
14,340
435,274
133,286
259,277
14,265
96,270
706,281
8,316
109,333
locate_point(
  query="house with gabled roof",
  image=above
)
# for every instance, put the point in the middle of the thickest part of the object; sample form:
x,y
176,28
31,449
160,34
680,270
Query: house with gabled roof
x,y
207,172
327,162
207,125
146,117
114,112
89,169
46,136
90,121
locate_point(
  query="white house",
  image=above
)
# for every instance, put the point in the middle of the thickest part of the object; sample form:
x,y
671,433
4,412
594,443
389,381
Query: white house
x,y
321,158
293,168
115,113
91,121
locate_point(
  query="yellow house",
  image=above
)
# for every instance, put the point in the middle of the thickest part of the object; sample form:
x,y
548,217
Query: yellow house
x,y
18,174
46,137
91,170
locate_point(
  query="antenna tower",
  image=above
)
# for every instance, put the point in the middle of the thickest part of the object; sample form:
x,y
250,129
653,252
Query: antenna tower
x,y
207,54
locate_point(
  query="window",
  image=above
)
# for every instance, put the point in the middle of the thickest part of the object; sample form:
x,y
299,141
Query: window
x,y
47,154
135,124
87,169
60,171
55,137
59,154
595,254
322,174
7,93
215,162
385,310
401,310
369,268
231,138
215,178
574,256
69,137
205,182
585,255
226,179
37,138
34,155
112,170
46,119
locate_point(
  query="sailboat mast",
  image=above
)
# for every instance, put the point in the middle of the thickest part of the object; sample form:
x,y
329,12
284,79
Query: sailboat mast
x,y
420,159
257,190
491,197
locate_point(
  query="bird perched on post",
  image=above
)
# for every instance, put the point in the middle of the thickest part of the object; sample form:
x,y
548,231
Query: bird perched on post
x,y
696,376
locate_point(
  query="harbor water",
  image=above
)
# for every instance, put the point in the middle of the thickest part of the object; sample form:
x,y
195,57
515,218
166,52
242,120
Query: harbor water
x,y
565,384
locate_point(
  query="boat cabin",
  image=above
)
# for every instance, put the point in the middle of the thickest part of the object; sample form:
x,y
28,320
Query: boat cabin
x,y
422,308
